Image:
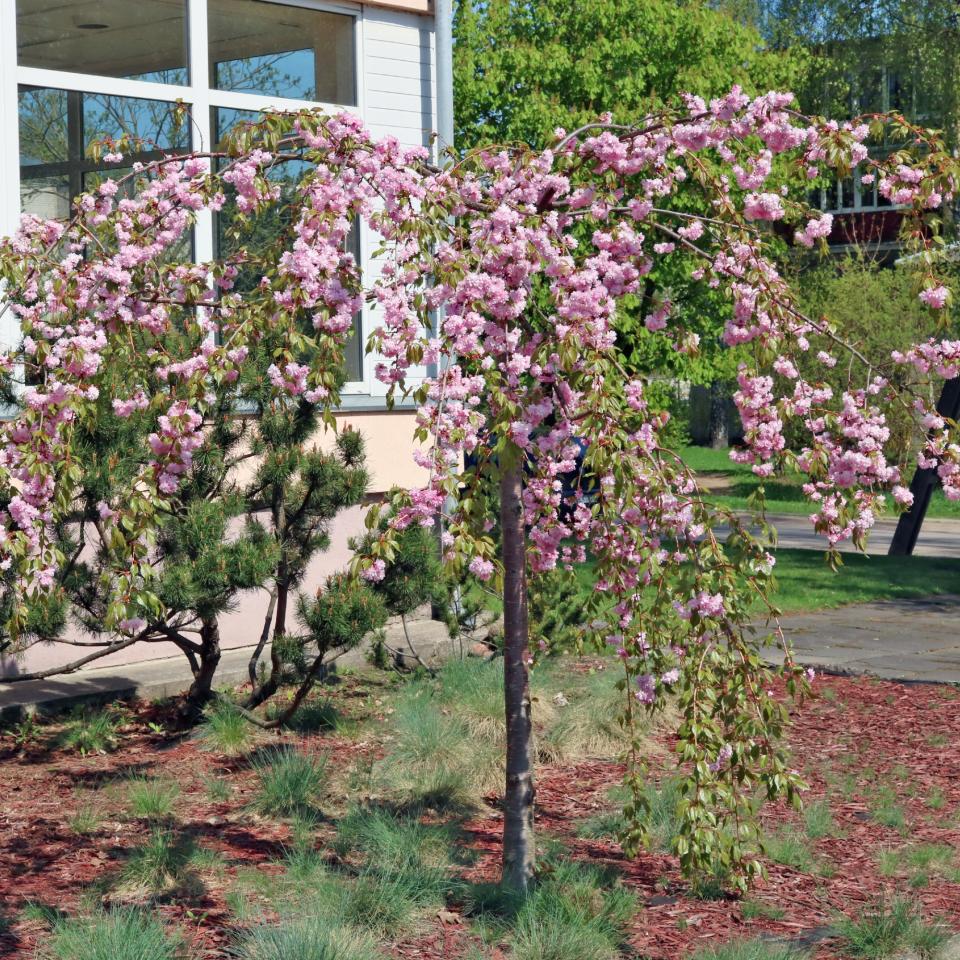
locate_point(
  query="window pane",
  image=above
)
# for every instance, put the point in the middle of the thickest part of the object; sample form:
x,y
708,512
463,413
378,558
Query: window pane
x,y
269,223
56,128
282,51
112,38
47,197
227,120
845,193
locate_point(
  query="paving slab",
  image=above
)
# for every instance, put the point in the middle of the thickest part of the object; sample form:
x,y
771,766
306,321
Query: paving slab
x,y
938,537
911,639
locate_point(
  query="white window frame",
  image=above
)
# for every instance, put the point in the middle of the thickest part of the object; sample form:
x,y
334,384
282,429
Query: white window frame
x,y
830,198
198,95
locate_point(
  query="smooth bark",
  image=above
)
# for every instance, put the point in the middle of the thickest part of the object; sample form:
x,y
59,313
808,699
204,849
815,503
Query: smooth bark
x,y
518,838
254,664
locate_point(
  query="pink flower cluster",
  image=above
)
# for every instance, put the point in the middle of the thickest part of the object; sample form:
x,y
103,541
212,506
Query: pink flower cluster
x,y
177,437
817,228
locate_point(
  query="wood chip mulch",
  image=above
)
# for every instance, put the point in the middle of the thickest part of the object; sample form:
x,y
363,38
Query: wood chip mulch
x,y
861,743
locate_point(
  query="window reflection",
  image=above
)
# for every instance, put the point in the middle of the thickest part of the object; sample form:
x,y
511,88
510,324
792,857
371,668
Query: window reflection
x,y
56,129
135,39
258,231
281,51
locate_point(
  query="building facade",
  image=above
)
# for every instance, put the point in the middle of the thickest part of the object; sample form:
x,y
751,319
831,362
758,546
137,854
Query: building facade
x,y
876,75
76,71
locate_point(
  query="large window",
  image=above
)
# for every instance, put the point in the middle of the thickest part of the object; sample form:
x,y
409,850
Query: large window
x,y
224,120
91,69
134,39
56,128
281,51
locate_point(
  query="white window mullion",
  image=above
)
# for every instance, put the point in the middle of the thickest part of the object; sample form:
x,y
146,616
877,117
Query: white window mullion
x,y
9,121
106,86
201,132
9,151
324,6
364,240
237,100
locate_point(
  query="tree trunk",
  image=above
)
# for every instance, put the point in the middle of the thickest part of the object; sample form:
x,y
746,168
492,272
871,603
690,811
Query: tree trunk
x,y
271,685
518,840
719,432
208,659
925,480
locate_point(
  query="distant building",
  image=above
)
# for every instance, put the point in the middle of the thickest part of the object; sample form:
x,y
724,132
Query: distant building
x,y
864,77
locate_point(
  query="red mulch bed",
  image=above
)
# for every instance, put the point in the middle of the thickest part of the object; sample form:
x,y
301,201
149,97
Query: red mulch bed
x,y
877,734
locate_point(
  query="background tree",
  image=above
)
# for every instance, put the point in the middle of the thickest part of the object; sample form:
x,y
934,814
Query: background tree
x,y
521,70
875,308
873,56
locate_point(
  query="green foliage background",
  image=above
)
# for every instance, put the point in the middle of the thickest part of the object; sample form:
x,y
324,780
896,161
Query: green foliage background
x,y
877,310
523,69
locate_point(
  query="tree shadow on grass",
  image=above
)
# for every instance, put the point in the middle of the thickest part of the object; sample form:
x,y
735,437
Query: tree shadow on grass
x,y
573,910
774,490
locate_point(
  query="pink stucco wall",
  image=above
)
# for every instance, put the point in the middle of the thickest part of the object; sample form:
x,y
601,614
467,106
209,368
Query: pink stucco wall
x,y
389,448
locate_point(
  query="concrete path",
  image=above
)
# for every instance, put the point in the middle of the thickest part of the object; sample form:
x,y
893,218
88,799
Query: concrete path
x,y
898,639
938,538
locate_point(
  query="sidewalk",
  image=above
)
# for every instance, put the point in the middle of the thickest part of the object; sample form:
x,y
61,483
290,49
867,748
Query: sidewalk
x,y
916,640
912,640
154,679
938,538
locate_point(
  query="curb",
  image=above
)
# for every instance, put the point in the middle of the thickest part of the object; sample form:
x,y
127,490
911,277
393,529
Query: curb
x,y
156,679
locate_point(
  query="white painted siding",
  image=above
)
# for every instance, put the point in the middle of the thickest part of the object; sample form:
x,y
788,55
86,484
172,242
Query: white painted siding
x,y
398,87
397,74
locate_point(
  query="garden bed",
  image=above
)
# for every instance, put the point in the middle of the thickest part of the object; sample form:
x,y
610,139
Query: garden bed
x,y
249,852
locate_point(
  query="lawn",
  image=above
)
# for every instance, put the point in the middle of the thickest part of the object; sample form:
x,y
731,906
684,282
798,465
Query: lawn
x,y
371,831
806,582
783,494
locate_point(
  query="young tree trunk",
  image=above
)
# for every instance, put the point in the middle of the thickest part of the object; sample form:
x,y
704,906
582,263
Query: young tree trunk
x,y
719,432
271,685
518,840
208,659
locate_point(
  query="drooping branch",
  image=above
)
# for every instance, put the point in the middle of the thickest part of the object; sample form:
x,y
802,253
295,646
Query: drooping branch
x,y
75,665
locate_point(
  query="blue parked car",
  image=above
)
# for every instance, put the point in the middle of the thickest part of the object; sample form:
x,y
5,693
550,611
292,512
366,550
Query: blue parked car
x,y
578,485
